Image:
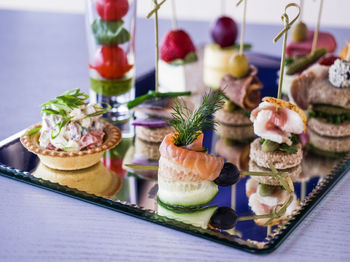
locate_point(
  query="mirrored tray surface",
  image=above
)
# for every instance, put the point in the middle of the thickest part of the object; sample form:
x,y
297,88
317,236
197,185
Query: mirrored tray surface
x,y
134,192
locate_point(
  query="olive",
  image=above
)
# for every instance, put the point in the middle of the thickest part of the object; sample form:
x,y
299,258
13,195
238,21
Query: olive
x,y
223,218
239,66
269,146
266,190
229,106
299,32
229,175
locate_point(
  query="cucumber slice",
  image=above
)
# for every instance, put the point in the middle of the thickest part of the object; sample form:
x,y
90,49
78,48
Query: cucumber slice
x,y
198,218
186,194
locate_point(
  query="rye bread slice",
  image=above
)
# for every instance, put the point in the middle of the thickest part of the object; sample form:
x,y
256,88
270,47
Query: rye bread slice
x,y
147,149
323,128
331,144
153,135
235,118
279,159
238,133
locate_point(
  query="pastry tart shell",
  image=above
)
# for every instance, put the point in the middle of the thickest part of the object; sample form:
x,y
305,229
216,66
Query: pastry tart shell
x,y
64,160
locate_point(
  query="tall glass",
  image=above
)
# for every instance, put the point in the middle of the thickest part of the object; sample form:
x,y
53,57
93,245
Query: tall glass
x,y
111,44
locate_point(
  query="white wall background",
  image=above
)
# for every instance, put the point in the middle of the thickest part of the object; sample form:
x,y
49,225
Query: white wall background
x,y
335,12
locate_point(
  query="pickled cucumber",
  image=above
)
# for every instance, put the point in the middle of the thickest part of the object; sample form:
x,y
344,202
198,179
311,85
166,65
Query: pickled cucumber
x,y
330,110
304,62
269,146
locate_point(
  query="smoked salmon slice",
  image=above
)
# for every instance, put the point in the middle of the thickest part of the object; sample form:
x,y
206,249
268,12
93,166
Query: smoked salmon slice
x,y
187,163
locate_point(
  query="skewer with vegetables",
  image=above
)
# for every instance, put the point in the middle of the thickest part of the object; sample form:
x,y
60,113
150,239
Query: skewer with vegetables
x,y
241,87
306,48
152,110
278,123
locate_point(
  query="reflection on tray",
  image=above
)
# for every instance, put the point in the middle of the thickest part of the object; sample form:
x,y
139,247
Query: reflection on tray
x,y
139,187
247,198
97,180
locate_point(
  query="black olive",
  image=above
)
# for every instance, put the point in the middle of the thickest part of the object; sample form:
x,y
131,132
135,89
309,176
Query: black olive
x,y
229,175
223,218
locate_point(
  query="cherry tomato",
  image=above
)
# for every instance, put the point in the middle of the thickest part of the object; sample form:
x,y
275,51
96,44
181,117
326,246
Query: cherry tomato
x,y
111,10
111,62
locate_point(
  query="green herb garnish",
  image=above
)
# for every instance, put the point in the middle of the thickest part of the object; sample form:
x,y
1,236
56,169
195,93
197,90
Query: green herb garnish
x,y
153,94
292,149
33,131
330,118
189,125
68,101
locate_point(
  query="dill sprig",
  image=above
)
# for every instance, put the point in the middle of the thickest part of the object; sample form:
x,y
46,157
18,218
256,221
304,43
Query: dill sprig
x,y
188,125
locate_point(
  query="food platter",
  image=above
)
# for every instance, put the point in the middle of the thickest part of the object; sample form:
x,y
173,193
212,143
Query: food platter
x,y
135,192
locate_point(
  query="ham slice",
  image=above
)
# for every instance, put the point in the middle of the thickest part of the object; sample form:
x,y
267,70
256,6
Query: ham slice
x,y
244,92
313,87
92,139
276,126
304,48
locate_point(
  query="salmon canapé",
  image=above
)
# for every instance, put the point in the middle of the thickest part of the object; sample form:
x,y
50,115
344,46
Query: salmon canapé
x,y
187,163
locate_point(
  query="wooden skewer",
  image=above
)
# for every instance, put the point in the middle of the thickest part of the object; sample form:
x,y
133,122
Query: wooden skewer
x,y
243,27
284,32
173,12
223,7
301,4
314,42
157,45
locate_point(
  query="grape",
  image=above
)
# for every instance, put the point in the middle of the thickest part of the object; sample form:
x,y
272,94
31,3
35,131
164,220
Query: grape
x,y
224,31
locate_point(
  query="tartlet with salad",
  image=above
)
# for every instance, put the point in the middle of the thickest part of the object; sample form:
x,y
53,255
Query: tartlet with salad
x,y
71,134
